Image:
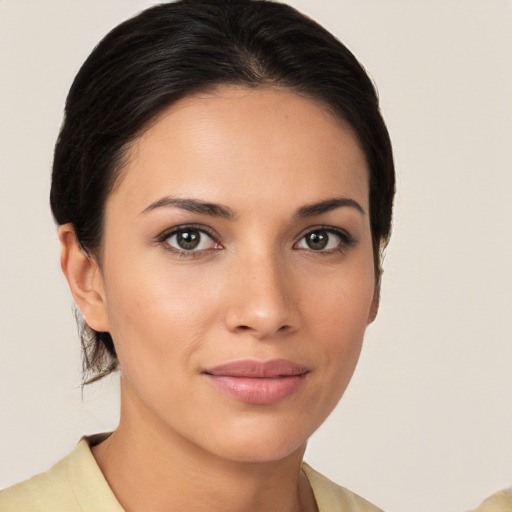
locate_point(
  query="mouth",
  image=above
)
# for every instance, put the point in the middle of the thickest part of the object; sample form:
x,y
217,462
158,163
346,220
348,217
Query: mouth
x,y
258,382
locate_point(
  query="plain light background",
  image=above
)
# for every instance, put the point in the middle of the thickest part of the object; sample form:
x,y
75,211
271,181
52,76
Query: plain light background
x,y
426,423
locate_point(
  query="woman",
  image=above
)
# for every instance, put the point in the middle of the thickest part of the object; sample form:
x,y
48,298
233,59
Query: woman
x,y
223,186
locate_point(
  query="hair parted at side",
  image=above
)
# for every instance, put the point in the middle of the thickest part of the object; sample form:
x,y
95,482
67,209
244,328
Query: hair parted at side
x,y
174,50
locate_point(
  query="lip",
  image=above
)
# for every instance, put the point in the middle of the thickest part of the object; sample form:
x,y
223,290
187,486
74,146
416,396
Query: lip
x,y
258,382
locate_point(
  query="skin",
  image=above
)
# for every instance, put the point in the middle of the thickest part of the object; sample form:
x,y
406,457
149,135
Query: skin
x,y
254,289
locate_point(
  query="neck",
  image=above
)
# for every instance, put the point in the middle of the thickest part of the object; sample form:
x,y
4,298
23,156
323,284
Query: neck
x,y
151,467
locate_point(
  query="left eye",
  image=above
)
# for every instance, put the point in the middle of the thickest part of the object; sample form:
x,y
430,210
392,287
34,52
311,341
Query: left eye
x,y
321,240
190,239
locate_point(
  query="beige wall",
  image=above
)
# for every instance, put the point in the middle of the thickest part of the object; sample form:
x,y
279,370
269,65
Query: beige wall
x,y
427,421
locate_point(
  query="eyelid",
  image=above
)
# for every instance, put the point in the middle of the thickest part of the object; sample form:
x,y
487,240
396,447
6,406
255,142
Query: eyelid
x,y
167,233
348,240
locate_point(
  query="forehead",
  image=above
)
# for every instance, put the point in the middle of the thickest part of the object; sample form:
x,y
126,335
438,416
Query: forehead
x,y
245,142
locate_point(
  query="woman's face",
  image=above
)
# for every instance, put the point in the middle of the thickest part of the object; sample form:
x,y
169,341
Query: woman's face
x,y
237,271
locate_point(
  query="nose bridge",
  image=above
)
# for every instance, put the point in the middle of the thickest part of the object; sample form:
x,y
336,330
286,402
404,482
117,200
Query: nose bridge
x,y
261,301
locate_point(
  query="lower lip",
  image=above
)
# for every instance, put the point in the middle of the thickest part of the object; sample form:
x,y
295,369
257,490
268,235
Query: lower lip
x,y
259,391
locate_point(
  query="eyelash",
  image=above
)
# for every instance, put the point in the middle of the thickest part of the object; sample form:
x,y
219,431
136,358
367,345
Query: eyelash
x,y
346,240
162,239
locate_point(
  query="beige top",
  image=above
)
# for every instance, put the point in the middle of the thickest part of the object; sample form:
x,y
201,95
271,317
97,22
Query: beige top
x,y
76,484
499,502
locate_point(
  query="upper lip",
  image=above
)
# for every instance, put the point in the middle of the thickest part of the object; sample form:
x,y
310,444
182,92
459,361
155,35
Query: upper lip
x,y
258,369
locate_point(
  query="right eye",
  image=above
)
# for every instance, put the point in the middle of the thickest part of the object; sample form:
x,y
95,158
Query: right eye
x,y
325,240
190,240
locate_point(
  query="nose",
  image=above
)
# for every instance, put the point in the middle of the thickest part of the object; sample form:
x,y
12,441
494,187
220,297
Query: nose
x,y
261,300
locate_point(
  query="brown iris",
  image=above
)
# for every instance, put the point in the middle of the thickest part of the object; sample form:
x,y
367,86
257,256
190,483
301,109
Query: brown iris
x,y
188,239
317,240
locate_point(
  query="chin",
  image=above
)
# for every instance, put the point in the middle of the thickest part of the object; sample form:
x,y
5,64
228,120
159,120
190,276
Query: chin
x,y
260,442
264,452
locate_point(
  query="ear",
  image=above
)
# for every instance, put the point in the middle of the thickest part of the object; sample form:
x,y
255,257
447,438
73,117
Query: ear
x,y
84,278
374,307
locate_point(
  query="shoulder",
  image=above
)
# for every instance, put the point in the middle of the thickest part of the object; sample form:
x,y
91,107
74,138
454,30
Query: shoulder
x,y
40,492
74,484
331,497
499,502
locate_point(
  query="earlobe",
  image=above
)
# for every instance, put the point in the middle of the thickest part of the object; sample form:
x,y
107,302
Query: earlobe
x,y
84,278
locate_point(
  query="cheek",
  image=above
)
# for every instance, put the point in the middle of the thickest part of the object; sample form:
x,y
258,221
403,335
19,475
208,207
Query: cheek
x,y
337,320
339,304
158,315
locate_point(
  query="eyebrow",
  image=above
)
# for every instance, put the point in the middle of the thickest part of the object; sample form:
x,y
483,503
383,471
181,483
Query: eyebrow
x,y
328,205
192,205
217,210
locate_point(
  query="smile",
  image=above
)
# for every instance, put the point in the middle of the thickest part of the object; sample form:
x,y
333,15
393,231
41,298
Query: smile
x,y
257,382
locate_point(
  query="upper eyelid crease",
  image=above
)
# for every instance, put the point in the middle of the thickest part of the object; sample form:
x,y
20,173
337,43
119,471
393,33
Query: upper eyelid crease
x,y
183,227
347,237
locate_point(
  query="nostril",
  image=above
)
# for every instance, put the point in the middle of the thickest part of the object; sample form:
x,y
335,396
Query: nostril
x,y
245,328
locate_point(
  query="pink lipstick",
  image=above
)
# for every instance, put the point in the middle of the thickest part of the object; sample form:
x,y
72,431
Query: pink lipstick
x,y
258,382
